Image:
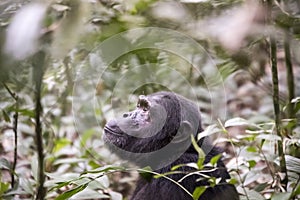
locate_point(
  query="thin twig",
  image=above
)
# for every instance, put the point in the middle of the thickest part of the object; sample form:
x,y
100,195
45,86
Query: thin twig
x,y
15,129
168,178
236,156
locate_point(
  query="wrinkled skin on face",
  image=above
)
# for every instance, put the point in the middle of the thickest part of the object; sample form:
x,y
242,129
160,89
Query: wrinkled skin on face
x,y
158,134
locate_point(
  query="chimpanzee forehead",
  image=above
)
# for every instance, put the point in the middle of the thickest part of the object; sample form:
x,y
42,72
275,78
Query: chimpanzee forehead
x,y
162,95
162,98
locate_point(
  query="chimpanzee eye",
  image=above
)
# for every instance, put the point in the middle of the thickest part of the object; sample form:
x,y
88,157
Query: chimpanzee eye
x,y
144,104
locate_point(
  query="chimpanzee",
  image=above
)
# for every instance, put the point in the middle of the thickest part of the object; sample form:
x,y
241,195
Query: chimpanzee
x,y
158,134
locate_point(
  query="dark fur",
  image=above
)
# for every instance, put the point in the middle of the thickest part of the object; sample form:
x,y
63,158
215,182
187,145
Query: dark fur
x,y
178,110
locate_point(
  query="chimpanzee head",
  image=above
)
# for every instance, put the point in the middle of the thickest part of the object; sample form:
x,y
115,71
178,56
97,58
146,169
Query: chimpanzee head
x,y
158,131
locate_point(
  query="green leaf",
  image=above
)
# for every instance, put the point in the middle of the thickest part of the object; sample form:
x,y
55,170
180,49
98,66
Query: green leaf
x,y
261,187
269,137
236,122
104,169
297,190
86,135
252,149
251,163
281,196
201,154
25,112
4,164
253,195
3,187
115,195
146,175
90,194
26,185
296,100
192,165
233,181
210,130
292,163
60,185
34,166
215,159
6,116
71,192
60,143
198,192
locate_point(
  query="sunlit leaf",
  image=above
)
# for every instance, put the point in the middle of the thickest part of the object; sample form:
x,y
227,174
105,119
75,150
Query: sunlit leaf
x,y
233,181
115,195
251,163
104,169
201,154
90,194
198,192
236,122
60,143
215,159
268,137
71,192
251,149
3,187
210,130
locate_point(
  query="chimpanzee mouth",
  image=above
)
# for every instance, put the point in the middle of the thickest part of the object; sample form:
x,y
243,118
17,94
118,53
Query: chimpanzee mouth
x,y
108,130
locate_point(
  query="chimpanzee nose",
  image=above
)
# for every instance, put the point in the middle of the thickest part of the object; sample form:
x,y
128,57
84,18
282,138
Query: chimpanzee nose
x,y
112,124
130,114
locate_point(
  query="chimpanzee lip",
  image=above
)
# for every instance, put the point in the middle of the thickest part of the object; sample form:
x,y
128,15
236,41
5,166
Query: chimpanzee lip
x,y
108,130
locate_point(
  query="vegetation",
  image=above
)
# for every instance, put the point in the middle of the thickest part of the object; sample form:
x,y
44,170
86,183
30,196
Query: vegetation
x,y
69,65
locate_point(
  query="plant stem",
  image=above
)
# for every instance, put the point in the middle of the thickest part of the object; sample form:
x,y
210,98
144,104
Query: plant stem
x,y
277,110
289,76
15,129
273,58
38,65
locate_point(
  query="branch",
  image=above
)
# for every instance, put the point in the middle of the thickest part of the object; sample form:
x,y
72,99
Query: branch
x,y
39,65
273,58
289,76
277,110
15,129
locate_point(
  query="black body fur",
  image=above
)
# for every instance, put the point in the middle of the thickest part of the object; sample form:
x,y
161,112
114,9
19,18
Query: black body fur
x,y
182,117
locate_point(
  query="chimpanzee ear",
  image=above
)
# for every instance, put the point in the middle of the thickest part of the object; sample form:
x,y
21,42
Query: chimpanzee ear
x,y
184,132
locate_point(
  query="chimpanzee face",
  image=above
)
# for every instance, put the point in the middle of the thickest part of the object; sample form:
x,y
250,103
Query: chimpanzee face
x,y
145,121
149,121
156,132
